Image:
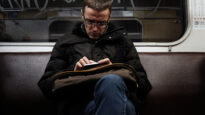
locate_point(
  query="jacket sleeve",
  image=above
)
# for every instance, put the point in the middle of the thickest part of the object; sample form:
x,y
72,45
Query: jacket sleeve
x,y
133,59
56,64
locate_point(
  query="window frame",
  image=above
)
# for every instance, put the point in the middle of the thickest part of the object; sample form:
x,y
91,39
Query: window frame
x,y
189,20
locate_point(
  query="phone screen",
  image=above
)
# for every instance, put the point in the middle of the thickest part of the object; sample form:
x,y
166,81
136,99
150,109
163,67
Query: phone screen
x,y
89,66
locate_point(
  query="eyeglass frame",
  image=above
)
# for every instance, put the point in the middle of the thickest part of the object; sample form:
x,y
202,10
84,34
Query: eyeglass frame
x,y
100,24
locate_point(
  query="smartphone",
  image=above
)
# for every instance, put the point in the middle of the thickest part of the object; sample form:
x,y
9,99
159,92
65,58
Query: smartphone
x,y
89,66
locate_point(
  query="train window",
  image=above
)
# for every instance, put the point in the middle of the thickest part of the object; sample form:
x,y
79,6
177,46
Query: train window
x,y
58,27
48,20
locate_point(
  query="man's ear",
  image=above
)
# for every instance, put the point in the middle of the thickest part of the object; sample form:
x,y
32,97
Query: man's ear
x,y
82,13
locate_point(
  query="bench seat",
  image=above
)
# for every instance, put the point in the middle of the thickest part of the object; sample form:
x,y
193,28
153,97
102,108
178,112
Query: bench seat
x,y
178,81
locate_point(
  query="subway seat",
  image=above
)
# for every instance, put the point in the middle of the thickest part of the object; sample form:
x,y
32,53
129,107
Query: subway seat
x,y
178,81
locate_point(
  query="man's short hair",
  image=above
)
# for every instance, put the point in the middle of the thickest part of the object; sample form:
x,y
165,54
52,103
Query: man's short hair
x,y
98,5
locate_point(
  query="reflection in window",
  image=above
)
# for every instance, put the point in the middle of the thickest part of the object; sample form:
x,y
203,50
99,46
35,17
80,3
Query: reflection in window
x,y
4,37
59,27
28,30
41,20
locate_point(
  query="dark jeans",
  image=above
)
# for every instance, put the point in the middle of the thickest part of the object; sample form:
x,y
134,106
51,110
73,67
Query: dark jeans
x,y
110,98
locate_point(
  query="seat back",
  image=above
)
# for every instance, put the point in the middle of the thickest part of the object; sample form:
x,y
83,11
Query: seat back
x,y
178,81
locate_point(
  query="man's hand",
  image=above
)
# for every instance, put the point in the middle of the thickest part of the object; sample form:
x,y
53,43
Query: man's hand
x,y
105,61
81,63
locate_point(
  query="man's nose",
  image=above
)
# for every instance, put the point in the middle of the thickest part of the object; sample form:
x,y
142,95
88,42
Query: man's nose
x,y
95,28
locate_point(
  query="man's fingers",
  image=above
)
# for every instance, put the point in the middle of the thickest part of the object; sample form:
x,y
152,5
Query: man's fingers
x,y
91,61
105,61
86,60
78,66
81,63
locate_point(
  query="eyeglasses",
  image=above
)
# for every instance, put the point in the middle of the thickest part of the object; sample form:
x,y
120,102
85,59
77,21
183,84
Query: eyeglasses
x,y
101,24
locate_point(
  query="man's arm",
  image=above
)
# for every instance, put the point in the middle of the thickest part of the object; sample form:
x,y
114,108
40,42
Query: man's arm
x,y
133,59
56,64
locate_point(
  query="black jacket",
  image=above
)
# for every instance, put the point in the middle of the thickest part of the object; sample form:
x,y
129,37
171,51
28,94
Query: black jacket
x,y
113,45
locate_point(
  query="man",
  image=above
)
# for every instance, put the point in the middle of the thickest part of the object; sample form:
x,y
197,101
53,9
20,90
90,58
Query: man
x,y
97,41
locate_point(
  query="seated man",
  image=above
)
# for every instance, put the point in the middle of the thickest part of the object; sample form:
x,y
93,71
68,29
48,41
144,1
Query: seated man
x,y
97,41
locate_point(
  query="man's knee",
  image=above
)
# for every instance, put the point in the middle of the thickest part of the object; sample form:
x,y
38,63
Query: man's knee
x,y
110,86
111,80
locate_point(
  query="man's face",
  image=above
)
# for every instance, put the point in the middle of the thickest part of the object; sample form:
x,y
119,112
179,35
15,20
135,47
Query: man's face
x,y
95,21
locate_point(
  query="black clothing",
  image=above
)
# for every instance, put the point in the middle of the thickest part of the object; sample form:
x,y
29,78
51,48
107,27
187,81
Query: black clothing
x,y
113,45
